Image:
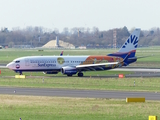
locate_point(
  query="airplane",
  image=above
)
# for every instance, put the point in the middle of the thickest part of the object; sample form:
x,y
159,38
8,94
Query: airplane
x,y
71,65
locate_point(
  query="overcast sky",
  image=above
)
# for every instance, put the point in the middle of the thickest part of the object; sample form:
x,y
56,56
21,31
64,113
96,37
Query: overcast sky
x,y
104,14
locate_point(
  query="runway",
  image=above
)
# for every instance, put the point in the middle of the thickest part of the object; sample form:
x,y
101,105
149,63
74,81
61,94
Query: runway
x,y
3,66
78,93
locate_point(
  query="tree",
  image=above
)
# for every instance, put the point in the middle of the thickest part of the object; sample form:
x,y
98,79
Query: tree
x,y
10,44
125,31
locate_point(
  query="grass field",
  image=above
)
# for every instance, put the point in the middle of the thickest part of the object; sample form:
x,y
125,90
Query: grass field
x,y
53,108
142,84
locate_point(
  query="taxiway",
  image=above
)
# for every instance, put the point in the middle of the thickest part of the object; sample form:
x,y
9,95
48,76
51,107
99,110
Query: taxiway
x,y
107,94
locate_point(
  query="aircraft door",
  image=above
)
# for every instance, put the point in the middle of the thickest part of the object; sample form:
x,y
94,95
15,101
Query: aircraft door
x,y
26,62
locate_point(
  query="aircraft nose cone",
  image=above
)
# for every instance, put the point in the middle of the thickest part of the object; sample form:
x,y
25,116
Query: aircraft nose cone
x,y
9,65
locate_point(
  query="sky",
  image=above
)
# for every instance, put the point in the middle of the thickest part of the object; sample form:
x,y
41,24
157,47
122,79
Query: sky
x,y
104,14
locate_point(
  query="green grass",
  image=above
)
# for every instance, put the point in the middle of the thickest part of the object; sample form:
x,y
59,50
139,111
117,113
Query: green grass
x,y
49,108
62,81
142,84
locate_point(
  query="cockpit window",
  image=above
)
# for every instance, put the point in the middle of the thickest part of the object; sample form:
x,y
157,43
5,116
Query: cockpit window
x,y
17,61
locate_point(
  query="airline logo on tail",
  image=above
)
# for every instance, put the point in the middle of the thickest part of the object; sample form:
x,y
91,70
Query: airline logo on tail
x,y
132,42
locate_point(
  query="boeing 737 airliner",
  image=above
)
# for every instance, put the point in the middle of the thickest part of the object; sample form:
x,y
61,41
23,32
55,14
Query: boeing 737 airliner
x,y
70,65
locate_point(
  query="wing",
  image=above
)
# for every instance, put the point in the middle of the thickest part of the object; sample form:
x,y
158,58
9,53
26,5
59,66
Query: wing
x,y
95,67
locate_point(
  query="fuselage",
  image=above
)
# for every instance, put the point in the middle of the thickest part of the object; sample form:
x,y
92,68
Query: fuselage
x,y
55,63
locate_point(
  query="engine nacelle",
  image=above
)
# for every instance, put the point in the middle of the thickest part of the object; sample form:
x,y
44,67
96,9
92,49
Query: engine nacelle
x,y
50,72
69,70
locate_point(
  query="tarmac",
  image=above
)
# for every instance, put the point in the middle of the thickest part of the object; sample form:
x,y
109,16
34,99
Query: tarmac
x,y
105,94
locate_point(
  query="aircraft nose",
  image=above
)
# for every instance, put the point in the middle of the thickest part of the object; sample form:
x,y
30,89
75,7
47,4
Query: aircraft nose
x,y
9,65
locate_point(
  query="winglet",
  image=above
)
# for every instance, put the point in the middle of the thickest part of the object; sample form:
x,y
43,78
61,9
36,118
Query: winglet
x,y
61,53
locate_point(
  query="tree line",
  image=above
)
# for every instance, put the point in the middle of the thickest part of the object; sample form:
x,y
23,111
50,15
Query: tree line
x,y
38,36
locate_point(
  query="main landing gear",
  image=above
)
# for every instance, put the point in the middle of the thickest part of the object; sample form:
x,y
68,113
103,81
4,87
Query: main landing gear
x,y
80,74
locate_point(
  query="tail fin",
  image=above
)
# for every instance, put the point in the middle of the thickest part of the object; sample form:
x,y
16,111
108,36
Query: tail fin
x,y
130,45
132,42
128,49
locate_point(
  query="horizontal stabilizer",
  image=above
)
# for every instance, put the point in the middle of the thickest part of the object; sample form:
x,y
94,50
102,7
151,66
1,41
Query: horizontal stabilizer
x,y
135,58
144,56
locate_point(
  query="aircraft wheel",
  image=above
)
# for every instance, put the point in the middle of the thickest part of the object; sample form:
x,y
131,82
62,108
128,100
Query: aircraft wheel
x,y
80,74
69,75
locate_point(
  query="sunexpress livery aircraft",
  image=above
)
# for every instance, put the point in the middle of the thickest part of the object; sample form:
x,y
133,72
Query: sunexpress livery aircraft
x,y
70,65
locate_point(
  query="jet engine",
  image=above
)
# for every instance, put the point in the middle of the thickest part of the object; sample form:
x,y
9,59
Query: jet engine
x,y
69,70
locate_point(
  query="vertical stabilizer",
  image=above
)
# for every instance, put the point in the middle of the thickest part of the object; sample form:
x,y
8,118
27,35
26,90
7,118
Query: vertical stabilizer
x,y
131,43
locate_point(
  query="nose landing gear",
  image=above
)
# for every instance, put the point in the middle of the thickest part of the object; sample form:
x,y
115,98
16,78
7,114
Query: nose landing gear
x,y
69,75
20,73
